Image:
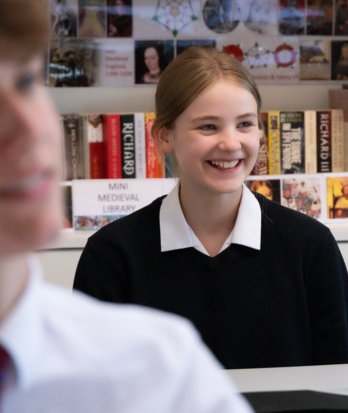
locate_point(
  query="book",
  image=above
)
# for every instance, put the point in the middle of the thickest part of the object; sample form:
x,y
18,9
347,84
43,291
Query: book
x,y
140,150
337,131
155,162
324,141
292,145
93,132
310,134
273,142
112,138
74,148
128,152
261,165
338,99
330,140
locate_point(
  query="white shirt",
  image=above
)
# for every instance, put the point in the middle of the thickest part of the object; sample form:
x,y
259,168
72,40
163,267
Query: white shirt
x,y
177,234
75,354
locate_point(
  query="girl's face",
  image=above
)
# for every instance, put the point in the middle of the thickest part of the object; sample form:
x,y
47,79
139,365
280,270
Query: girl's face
x,y
30,141
216,139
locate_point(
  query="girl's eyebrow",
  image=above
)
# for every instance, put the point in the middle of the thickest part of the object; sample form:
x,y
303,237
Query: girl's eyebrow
x,y
246,115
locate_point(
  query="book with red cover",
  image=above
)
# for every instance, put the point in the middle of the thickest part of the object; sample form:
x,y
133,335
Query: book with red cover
x,y
112,137
93,130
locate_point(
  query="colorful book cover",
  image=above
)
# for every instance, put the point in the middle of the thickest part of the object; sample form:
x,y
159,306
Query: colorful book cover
x,y
74,147
292,17
155,164
302,194
128,150
274,142
337,197
112,137
270,188
292,145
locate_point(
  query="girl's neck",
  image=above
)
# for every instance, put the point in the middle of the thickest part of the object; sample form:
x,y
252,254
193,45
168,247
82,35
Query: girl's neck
x,y
14,275
211,216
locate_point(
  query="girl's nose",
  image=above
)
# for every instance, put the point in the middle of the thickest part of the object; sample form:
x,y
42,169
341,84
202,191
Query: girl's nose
x,y
229,140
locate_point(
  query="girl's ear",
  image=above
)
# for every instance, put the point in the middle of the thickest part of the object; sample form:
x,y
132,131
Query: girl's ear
x,y
163,140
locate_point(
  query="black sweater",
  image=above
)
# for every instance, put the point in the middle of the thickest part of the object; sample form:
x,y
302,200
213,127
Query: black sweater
x,y
284,305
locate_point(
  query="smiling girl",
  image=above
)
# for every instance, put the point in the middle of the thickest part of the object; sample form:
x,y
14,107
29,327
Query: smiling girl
x,y
265,286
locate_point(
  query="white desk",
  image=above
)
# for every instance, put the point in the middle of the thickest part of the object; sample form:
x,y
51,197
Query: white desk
x,y
329,378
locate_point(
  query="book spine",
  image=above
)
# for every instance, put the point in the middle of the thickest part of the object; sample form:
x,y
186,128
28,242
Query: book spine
x,y
292,146
337,133
310,141
261,165
338,99
93,126
324,141
128,158
273,142
155,163
140,152
112,137
74,146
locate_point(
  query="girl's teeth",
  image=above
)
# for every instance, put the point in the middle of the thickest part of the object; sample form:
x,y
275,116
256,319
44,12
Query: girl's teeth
x,y
225,164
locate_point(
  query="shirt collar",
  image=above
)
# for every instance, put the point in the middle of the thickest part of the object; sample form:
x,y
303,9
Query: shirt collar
x,y
20,332
176,233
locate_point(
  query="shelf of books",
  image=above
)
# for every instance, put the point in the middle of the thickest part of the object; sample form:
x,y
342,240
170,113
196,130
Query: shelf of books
x,y
112,166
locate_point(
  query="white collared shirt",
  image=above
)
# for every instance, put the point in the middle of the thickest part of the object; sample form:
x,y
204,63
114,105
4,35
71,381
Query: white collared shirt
x,y
75,354
177,234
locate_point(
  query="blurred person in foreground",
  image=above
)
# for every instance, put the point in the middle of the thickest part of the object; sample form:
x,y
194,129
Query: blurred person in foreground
x,y
64,352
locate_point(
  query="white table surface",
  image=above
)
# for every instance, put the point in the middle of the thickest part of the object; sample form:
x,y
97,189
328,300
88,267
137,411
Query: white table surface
x,y
329,378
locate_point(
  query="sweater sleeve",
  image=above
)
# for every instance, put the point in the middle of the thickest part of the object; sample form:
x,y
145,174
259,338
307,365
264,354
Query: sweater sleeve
x,y
327,292
100,273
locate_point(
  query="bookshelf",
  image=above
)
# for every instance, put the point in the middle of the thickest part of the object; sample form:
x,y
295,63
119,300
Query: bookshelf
x,y
61,257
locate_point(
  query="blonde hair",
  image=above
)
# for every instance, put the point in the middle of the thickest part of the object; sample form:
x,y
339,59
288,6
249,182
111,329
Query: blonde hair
x,y
190,74
25,23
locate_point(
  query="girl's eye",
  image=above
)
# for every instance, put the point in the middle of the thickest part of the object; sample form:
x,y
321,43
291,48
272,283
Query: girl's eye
x,y
245,124
208,127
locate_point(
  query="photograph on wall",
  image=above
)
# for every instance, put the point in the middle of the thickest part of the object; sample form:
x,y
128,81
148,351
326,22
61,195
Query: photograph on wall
x,y
151,57
337,197
261,16
161,19
319,19
302,194
268,59
341,18
72,62
222,16
115,64
63,18
92,18
270,188
292,17
182,45
339,60
314,59
119,18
